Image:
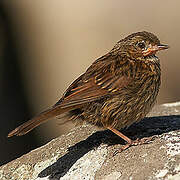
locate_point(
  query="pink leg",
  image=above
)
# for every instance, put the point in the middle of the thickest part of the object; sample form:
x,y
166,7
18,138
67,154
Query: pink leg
x,y
128,140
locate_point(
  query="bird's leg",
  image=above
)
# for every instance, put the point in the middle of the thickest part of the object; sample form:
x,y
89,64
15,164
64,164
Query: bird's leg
x,y
128,140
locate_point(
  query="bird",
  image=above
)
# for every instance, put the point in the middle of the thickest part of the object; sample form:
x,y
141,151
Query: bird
x,y
117,90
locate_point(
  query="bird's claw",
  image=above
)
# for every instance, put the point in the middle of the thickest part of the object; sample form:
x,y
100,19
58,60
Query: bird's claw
x,y
136,142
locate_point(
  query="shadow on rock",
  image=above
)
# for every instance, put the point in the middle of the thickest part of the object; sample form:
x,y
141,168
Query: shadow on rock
x,y
148,127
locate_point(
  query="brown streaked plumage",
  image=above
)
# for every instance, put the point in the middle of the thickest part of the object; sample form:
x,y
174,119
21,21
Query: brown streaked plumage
x,y
118,89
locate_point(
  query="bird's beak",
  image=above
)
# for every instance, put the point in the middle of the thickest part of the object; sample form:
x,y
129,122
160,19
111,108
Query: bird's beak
x,y
162,47
153,49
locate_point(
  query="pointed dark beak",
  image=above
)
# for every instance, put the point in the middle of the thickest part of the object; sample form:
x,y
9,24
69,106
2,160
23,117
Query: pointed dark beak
x,y
154,49
162,47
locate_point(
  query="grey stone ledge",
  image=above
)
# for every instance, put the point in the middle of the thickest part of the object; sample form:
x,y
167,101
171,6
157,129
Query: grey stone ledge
x,y
87,153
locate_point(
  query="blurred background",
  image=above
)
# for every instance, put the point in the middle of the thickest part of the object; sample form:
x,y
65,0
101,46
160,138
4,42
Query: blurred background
x,y
45,45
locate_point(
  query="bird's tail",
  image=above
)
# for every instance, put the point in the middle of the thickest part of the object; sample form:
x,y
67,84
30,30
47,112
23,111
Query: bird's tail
x,y
37,120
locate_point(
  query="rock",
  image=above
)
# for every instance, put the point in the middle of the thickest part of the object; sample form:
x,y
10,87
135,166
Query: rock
x,y
86,153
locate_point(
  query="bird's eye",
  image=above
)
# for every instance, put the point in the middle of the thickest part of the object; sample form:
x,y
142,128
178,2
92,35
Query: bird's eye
x,y
141,45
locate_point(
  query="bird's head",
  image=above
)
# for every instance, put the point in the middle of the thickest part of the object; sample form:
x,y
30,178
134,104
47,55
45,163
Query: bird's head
x,y
141,45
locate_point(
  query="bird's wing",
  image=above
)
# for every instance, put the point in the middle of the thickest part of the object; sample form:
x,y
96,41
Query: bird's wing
x,y
98,81
93,87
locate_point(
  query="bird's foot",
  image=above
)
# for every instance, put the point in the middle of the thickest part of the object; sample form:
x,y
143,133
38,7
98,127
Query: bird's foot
x,y
136,142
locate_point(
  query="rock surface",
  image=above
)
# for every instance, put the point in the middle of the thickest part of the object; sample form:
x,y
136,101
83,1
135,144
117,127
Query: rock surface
x,y
86,153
